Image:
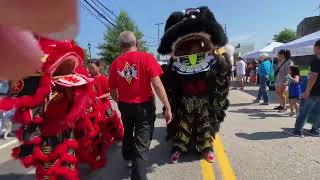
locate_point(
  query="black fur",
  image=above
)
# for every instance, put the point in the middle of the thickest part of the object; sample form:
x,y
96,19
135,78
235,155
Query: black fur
x,y
179,24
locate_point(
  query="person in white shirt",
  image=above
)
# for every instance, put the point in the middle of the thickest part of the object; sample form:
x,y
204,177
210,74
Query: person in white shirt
x,y
241,72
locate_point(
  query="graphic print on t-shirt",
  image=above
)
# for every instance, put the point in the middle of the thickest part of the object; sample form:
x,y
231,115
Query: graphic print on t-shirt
x,y
129,72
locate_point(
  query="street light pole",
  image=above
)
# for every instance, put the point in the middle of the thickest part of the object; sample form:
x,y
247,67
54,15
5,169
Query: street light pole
x,y
89,47
158,24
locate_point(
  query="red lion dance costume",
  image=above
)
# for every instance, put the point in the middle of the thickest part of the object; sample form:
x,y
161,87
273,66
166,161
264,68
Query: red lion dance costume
x,y
62,121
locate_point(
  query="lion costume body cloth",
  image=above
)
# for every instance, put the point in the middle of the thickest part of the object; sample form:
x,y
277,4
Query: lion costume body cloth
x,y
196,78
62,122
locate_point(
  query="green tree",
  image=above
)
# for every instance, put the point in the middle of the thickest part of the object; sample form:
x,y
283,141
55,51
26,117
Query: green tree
x,y
86,57
110,50
285,36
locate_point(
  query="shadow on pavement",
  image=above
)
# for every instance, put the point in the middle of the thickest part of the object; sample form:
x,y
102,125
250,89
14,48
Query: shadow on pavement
x,y
159,155
17,177
116,167
265,135
272,96
240,104
259,113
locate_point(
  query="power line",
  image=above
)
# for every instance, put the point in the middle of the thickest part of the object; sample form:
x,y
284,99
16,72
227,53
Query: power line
x,y
100,14
92,14
111,12
103,10
158,24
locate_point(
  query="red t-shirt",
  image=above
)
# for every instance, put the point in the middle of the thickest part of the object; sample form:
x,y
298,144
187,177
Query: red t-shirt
x,y
131,75
102,87
101,84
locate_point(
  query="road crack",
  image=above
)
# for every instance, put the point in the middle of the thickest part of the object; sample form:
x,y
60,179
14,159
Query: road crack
x,y
304,156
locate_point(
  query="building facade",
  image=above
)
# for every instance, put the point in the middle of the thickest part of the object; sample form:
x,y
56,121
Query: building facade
x,y
308,25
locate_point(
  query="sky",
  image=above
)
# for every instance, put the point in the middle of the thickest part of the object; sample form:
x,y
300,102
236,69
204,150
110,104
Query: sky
x,y
247,21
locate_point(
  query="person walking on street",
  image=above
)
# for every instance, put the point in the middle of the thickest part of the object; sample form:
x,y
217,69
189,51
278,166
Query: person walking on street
x,y
7,123
294,89
131,76
281,77
264,71
241,72
5,117
101,84
310,99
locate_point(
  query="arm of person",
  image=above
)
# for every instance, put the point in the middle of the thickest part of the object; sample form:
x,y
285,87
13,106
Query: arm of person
x,y
105,88
113,83
296,79
311,82
161,93
104,96
114,94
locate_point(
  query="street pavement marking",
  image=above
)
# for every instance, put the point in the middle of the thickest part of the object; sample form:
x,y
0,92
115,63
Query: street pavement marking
x,y
223,160
9,143
207,170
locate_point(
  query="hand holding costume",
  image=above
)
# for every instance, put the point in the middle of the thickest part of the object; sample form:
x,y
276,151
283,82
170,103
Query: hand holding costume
x,y
196,79
62,123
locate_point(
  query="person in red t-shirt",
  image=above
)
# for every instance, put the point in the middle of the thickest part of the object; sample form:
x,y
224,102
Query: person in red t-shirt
x,y
100,83
131,76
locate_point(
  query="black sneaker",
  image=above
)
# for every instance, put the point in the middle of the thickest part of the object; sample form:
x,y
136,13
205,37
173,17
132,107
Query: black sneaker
x,y
313,133
295,133
277,108
282,110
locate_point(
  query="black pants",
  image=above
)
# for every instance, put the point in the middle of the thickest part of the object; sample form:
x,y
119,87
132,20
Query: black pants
x,y
138,121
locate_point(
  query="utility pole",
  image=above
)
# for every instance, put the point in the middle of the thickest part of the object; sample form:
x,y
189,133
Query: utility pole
x,y
158,24
225,29
89,47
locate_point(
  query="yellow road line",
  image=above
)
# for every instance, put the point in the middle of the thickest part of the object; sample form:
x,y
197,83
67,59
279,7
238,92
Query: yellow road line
x,y
207,170
223,160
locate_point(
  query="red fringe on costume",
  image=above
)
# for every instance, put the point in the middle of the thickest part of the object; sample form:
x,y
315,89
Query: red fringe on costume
x,y
98,132
78,128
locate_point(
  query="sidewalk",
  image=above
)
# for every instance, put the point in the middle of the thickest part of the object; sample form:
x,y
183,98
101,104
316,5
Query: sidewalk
x,y
258,148
253,91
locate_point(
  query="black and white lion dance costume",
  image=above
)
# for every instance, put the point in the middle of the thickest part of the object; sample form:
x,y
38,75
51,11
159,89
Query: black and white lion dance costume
x,y
196,79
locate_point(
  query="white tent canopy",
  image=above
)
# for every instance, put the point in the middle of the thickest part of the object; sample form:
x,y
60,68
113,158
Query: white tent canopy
x,y
302,46
251,54
268,49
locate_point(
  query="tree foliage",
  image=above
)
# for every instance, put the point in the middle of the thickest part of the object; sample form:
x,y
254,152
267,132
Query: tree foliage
x,y
110,50
285,36
86,56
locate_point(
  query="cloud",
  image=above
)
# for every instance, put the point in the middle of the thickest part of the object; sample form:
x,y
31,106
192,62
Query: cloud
x,y
242,38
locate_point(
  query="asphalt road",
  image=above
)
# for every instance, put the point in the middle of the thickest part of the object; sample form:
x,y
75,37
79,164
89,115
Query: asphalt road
x,y
250,146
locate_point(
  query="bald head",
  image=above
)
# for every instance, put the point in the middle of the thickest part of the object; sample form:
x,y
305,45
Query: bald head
x,y
127,40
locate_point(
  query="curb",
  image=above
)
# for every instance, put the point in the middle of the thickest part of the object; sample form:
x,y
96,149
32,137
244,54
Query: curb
x,y
8,144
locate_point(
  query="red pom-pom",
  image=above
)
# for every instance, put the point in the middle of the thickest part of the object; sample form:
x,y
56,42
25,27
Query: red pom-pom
x,y
15,152
37,120
27,161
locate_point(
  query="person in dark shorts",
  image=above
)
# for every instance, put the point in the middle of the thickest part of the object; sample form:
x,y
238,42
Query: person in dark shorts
x,y
310,99
294,89
131,77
